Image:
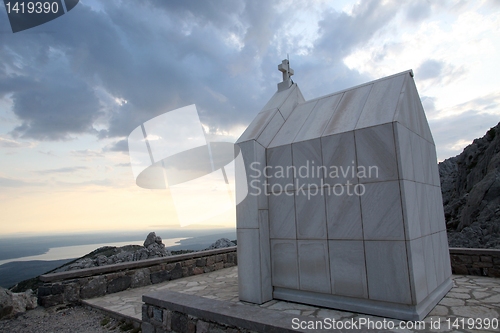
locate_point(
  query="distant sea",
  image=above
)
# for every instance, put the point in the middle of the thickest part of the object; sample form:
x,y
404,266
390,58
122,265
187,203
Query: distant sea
x,y
77,251
24,257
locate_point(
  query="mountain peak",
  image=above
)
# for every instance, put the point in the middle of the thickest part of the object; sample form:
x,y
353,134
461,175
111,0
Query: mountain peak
x,y
470,184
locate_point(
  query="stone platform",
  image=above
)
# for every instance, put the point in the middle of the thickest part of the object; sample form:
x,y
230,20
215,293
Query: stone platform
x,y
471,297
221,285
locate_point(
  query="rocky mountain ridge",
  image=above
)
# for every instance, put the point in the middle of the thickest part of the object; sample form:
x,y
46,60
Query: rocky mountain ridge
x,y
21,297
153,247
470,185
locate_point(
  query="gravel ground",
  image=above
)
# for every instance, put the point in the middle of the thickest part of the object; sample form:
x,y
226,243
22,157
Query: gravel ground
x,y
62,319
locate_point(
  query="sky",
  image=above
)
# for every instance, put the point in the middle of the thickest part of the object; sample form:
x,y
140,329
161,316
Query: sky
x,y
73,89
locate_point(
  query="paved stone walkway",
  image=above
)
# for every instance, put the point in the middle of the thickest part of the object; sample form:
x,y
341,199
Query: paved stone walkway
x,y
221,285
471,297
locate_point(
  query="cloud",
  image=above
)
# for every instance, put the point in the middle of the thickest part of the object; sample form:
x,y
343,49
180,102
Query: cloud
x,y
54,110
68,83
86,153
429,104
14,83
463,123
223,13
438,71
120,146
98,182
16,183
418,11
489,103
430,69
162,55
465,128
163,67
51,98
62,170
48,153
340,34
6,142
493,3
366,19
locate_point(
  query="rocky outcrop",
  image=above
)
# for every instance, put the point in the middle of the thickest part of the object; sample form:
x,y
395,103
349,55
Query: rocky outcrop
x,y
221,243
12,304
107,255
153,248
470,184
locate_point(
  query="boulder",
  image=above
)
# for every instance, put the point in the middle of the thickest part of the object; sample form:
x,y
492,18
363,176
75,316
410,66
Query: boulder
x,y
12,304
101,260
141,254
6,307
150,239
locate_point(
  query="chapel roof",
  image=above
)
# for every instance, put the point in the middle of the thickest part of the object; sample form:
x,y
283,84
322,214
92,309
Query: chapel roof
x,y
288,118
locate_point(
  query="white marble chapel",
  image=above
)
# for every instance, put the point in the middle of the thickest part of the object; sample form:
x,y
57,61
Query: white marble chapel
x,y
344,208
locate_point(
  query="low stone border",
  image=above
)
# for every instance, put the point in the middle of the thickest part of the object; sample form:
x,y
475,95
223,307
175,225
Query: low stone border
x,y
169,311
479,262
73,286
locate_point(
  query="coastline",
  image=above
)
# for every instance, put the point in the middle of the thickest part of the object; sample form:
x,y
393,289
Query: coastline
x,y
76,251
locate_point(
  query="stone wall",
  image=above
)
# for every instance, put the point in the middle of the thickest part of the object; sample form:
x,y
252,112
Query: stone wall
x,y
482,262
158,320
73,286
169,311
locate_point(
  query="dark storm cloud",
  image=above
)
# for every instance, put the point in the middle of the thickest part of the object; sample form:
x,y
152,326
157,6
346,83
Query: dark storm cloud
x,y
161,55
61,70
165,66
14,83
53,110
